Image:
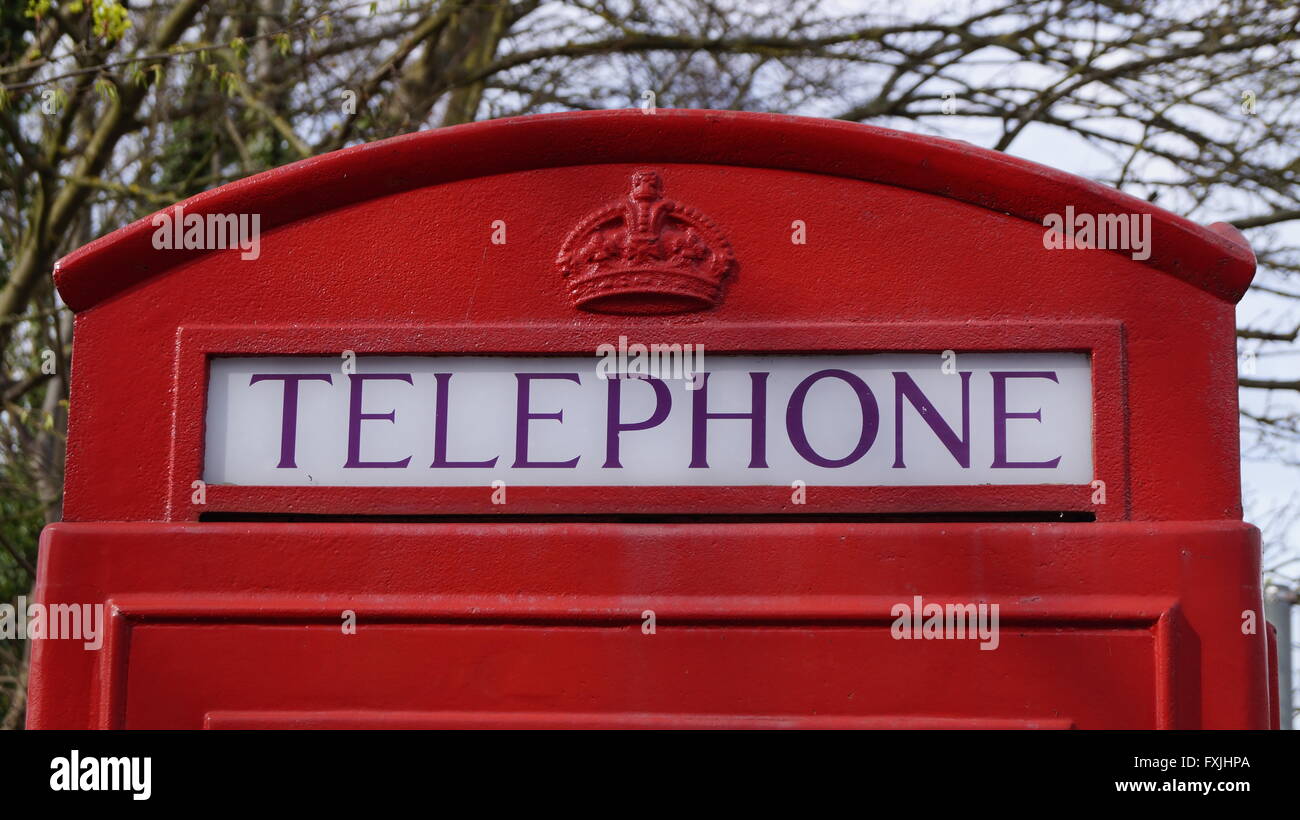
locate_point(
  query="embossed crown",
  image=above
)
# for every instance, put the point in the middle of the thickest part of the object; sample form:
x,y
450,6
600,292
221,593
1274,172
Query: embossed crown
x,y
646,254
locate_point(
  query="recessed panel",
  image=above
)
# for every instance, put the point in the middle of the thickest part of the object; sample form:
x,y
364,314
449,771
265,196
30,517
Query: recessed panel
x,y
643,417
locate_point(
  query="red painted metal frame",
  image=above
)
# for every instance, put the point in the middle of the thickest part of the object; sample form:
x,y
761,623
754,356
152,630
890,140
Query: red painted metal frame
x,y
1217,259
1102,340
1181,587
382,719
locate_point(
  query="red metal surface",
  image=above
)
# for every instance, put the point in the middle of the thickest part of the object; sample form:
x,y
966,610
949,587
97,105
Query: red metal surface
x,y
1103,625
1274,695
1218,260
913,243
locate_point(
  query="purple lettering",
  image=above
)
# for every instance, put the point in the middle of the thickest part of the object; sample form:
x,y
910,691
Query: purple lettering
x,y
799,436
960,448
615,425
757,418
524,416
289,418
440,428
1000,416
355,417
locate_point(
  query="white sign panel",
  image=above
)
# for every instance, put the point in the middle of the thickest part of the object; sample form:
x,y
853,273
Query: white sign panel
x,y
843,420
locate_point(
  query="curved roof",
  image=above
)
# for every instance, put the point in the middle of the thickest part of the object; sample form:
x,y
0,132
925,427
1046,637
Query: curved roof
x,y
1216,259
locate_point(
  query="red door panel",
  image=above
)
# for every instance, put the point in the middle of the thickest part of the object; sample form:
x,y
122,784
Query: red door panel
x,y
542,624
504,675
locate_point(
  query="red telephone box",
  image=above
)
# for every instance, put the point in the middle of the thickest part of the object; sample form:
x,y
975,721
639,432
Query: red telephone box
x,y
676,419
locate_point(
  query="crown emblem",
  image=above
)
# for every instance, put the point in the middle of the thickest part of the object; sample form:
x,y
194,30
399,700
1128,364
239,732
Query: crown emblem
x,y
646,254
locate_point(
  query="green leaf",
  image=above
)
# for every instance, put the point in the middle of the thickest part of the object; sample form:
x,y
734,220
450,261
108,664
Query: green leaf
x,y
37,8
105,88
110,20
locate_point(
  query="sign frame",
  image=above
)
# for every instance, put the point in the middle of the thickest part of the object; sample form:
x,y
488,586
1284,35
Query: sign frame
x,y
1102,340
